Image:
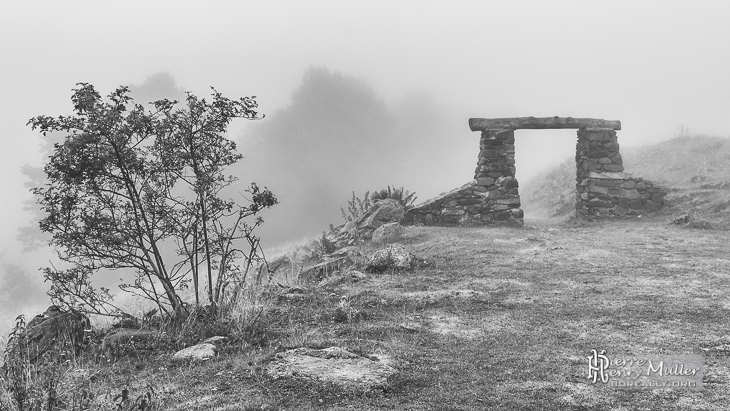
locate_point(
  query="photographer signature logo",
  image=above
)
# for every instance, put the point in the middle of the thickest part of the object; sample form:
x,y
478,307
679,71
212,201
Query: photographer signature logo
x,y
597,366
647,371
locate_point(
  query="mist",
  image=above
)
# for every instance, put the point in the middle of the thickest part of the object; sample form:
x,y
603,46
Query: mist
x,y
337,137
21,291
357,96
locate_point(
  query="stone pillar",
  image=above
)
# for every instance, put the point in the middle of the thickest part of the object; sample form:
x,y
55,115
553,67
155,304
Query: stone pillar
x,y
495,172
597,151
603,189
496,156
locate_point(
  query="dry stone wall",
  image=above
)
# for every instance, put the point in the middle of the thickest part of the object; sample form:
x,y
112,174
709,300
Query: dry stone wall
x,y
602,189
491,198
617,194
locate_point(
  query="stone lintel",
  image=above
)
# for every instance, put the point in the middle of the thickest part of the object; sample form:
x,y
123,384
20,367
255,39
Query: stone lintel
x,y
481,124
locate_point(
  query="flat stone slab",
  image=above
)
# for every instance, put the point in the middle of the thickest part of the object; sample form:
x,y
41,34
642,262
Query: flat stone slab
x,y
334,364
199,352
514,123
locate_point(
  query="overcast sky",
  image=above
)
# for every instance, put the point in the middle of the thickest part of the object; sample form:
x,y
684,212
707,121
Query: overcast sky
x,y
654,65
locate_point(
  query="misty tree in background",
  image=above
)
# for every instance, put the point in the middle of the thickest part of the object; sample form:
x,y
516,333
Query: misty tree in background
x,y
157,86
126,183
334,137
332,116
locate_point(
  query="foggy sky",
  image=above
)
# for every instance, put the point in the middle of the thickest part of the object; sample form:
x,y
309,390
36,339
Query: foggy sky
x,y
654,65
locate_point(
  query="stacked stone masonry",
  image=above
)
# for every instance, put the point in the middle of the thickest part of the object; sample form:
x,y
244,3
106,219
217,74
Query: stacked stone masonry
x,y
491,198
603,189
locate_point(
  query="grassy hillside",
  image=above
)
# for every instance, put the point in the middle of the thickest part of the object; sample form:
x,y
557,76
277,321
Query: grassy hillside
x,y
695,169
493,318
490,318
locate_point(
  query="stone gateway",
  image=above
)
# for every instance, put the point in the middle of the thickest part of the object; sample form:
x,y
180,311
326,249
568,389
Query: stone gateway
x,y
602,189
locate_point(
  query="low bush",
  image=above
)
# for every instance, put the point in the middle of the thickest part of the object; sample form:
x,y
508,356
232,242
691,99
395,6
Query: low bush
x,y
404,197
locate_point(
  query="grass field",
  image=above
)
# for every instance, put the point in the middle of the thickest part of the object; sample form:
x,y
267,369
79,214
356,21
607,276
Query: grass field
x,y
509,317
494,318
491,318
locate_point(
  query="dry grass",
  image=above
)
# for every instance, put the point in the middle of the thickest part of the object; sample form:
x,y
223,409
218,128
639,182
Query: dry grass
x,y
494,318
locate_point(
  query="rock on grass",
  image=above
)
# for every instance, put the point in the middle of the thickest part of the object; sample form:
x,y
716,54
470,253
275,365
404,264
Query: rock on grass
x,y
199,352
334,365
394,256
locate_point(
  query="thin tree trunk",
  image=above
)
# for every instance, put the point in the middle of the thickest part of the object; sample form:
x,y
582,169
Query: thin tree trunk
x,y
207,251
194,263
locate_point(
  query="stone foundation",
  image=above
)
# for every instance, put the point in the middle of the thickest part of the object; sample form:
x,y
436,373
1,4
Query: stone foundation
x,y
617,195
603,189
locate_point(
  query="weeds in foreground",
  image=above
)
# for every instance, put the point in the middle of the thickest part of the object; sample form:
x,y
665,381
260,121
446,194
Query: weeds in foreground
x,y
250,313
59,380
356,207
37,385
345,311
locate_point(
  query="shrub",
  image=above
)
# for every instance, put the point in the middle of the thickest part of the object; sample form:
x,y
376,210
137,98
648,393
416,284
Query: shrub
x,y
404,197
128,182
